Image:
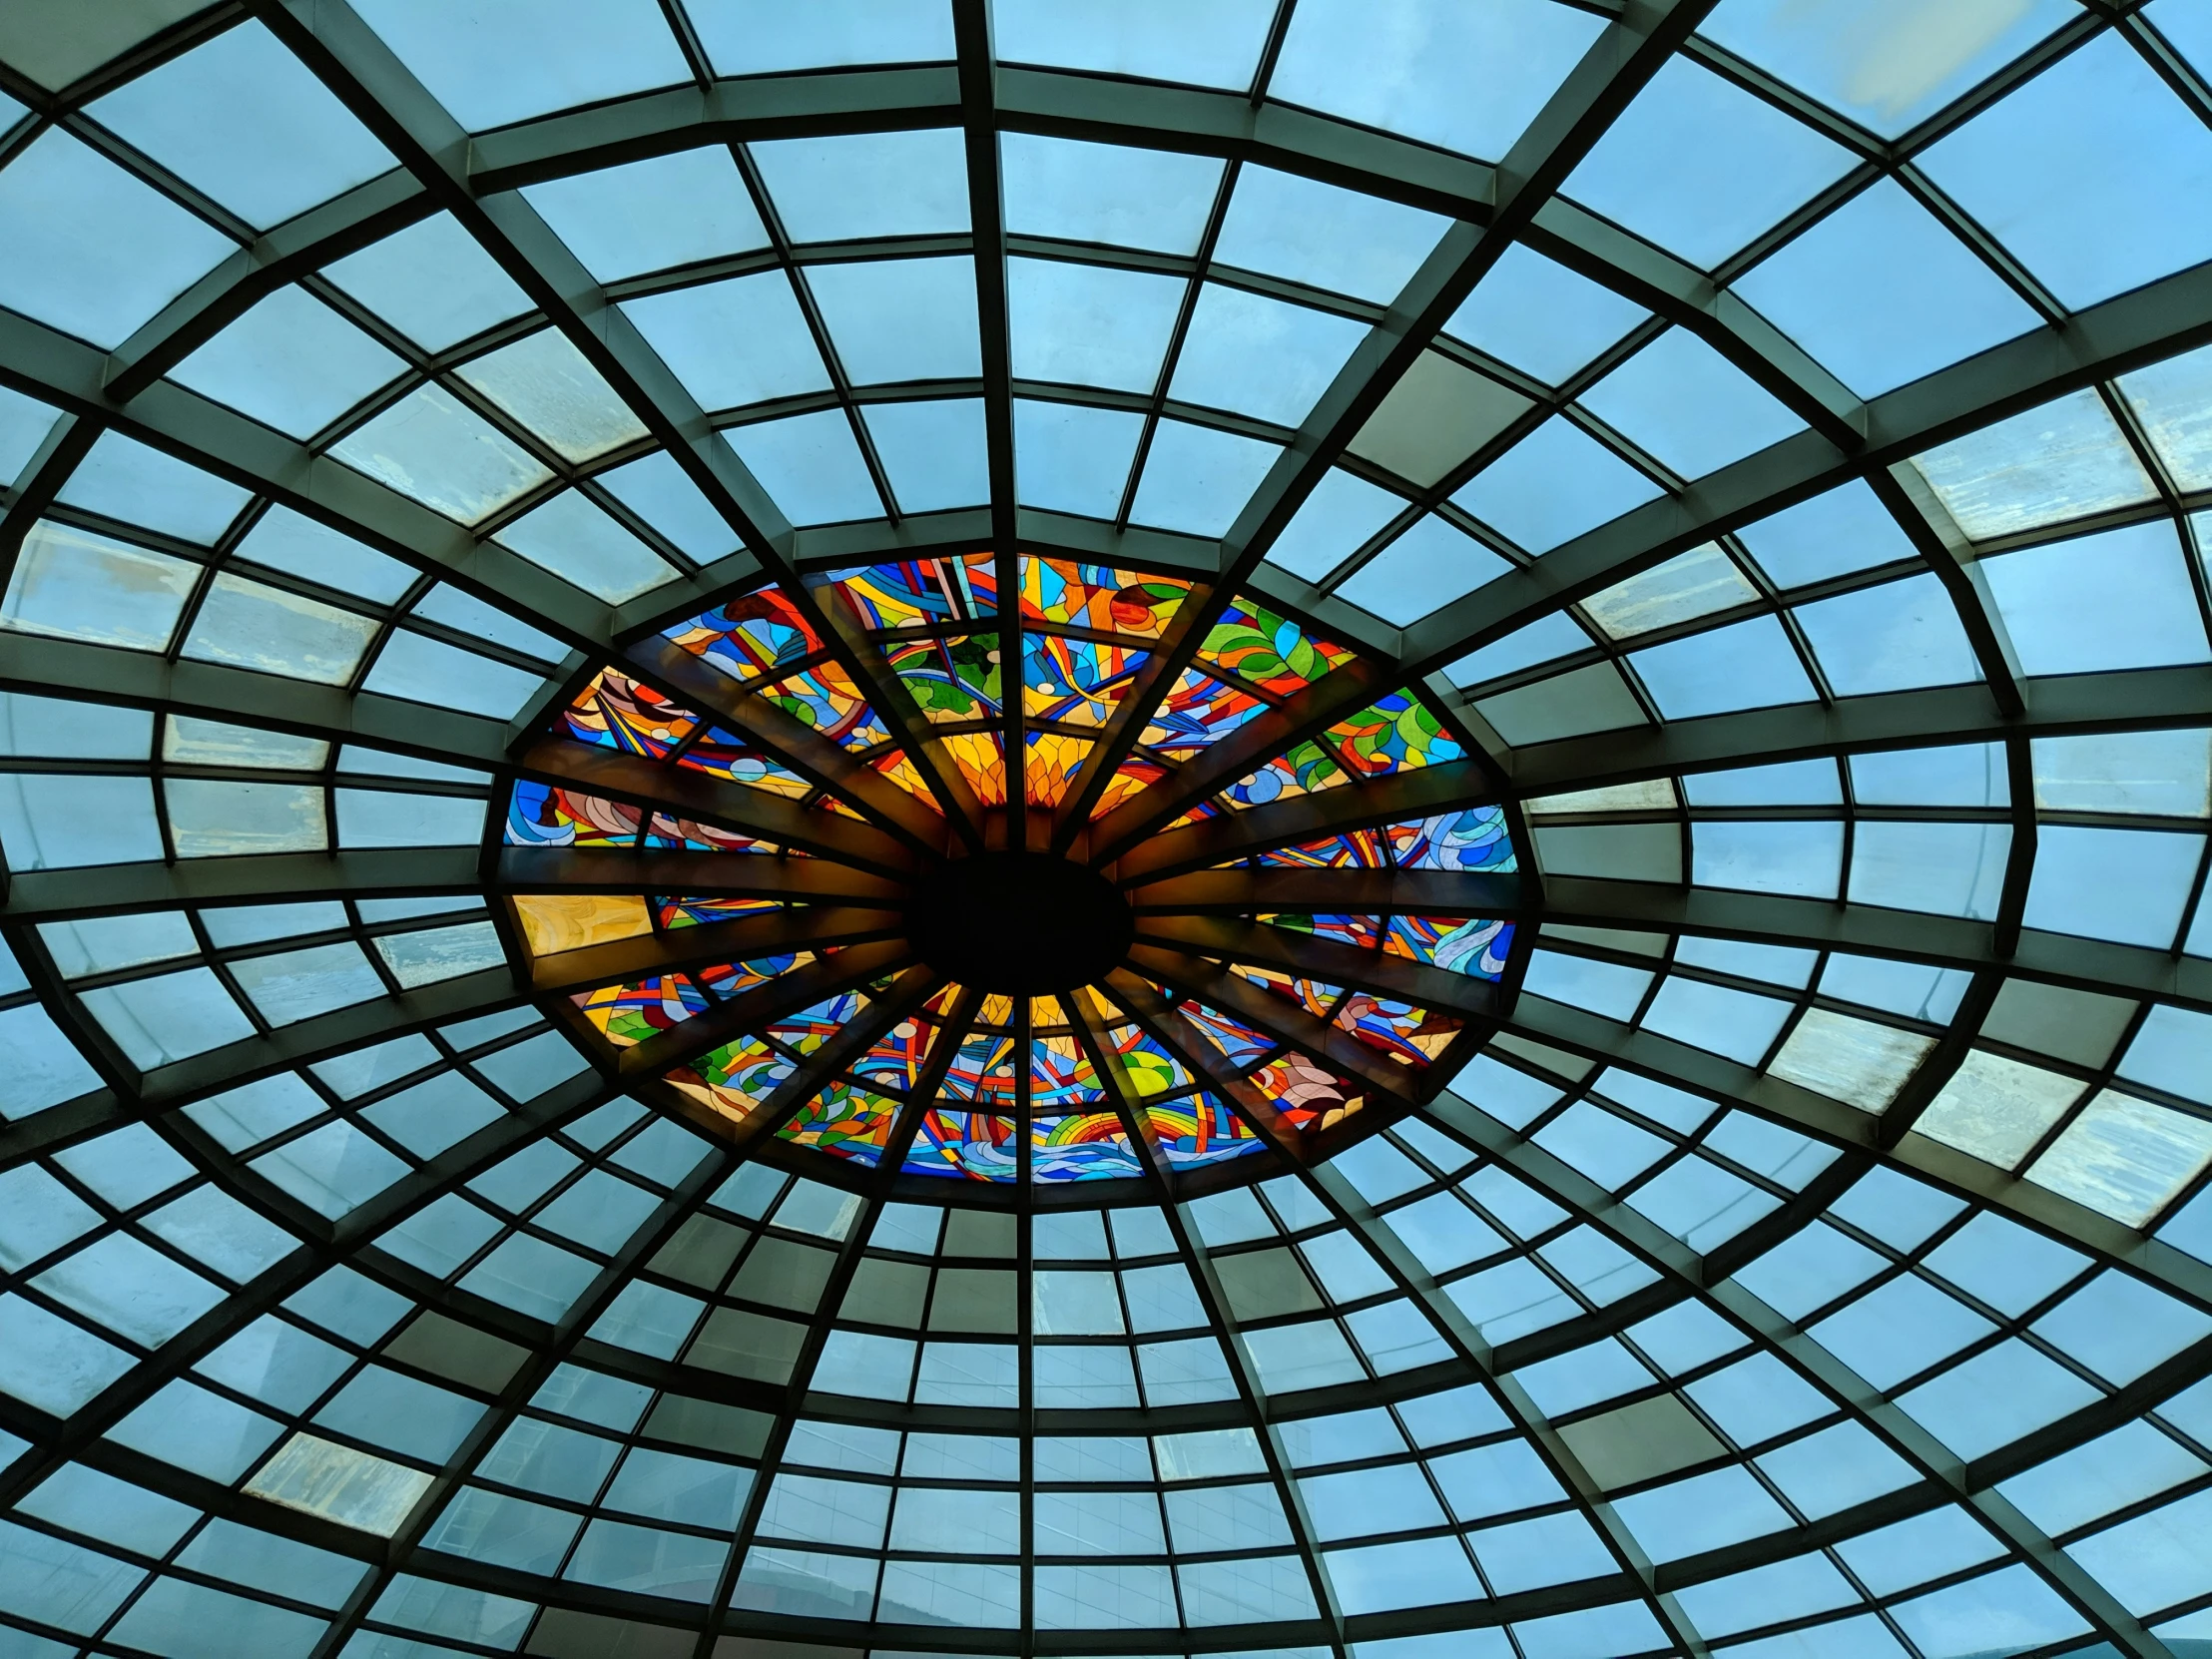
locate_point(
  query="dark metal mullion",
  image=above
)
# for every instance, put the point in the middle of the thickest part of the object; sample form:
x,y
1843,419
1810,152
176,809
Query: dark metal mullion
x,y
841,383
614,1276
1200,260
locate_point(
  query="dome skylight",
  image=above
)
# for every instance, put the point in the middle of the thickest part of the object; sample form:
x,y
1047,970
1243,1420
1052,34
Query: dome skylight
x,y
1315,828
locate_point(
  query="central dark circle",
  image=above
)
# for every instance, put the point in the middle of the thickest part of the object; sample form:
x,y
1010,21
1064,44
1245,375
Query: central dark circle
x,y
1022,923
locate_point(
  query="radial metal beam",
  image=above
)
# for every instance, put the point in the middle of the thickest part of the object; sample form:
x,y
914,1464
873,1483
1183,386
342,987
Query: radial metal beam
x,y
689,793
1948,942
1305,955
1230,893
1611,1044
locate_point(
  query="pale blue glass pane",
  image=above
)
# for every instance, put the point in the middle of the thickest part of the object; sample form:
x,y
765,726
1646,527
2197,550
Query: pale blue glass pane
x,y
2062,460
580,50
657,490
471,615
810,466
300,984
1260,356
2078,172
64,209
1334,238
1469,75
1428,565
77,730
1953,869
1962,774
57,822
900,319
100,945
2118,600
1800,857
290,361
44,1066
1688,405
1108,193
1727,1022
2163,773
760,37
2111,883
1886,65
170,1017
733,344
445,455
248,123
24,423
1888,638
277,631
1088,326
1700,167
650,214
1552,486
75,585
284,540
123,478
424,670
1881,294
1336,520
1072,459
1214,43
1789,784
578,542
1541,318
867,183
1845,529
547,384
432,283
1747,665
1602,987
1197,479
1552,636
933,452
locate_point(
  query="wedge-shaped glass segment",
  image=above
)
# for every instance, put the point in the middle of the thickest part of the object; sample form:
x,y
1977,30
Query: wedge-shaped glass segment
x,y
1110,193
582,52
443,454
546,384
651,214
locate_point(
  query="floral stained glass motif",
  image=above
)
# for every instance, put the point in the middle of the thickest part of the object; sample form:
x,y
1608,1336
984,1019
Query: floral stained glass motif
x,y
951,678
846,1120
1017,1094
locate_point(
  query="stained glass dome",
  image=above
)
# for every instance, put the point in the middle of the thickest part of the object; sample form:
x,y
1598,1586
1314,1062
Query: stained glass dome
x,y
1314,829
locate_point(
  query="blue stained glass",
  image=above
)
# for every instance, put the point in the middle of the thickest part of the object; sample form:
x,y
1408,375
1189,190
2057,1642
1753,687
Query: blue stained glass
x,y
2077,172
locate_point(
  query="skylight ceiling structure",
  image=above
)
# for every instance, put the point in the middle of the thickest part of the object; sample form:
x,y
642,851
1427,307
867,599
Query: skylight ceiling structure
x,y
1600,611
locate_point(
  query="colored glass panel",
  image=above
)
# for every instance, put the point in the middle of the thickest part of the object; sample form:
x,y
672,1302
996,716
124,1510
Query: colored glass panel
x,y
1099,596
615,711
844,1120
735,1079
749,636
918,593
1081,1146
628,1014
978,1146
949,679
1269,650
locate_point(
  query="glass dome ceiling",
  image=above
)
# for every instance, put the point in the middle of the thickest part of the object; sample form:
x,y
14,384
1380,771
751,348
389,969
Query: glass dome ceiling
x,y
1566,1013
